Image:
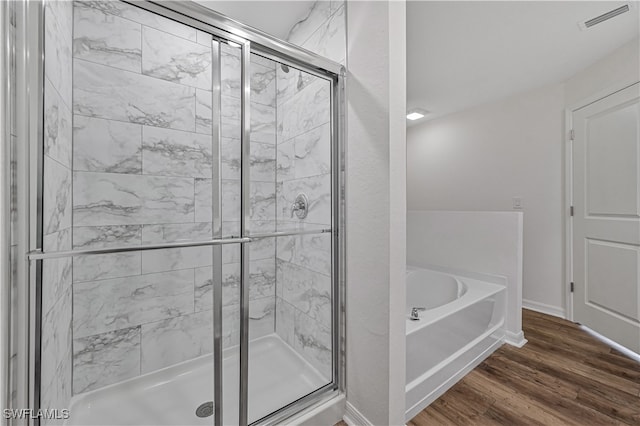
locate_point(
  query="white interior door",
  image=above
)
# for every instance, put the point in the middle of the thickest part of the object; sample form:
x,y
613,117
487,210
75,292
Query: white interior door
x,y
606,223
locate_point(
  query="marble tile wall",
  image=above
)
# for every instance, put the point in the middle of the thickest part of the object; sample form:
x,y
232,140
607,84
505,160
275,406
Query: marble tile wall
x,y
57,278
57,275
142,168
303,272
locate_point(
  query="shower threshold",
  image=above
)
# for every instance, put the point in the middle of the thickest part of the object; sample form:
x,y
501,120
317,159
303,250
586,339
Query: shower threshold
x,y
278,375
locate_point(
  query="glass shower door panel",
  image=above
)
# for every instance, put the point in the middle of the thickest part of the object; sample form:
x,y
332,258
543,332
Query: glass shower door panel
x,y
128,336
290,285
136,168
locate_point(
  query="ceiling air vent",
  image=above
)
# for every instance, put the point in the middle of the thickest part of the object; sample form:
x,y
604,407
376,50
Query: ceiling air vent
x,y
604,17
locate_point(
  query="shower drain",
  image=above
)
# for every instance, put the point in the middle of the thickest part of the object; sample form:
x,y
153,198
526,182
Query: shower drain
x,y
205,409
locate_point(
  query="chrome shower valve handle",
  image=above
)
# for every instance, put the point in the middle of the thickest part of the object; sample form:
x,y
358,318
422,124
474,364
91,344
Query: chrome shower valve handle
x,y
300,206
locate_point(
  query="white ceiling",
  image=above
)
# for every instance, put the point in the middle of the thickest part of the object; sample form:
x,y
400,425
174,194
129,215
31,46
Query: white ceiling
x,y
462,54
273,17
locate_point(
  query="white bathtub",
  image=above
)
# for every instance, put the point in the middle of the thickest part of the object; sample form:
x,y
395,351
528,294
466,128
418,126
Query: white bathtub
x,y
462,325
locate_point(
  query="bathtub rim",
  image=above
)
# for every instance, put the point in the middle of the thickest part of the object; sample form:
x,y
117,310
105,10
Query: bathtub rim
x,y
476,291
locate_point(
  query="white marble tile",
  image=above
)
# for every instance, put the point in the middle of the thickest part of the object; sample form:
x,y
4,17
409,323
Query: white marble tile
x,y
105,92
308,291
230,117
230,326
119,199
262,202
56,281
175,259
106,358
56,197
107,39
230,158
305,111
290,82
203,200
313,152
136,14
336,4
58,41
260,248
175,59
311,251
262,314
313,341
262,226
203,38
285,168
230,71
56,340
263,123
55,389
262,162
330,39
317,189
168,152
285,321
203,288
204,116
85,237
230,253
318,13
105,266
263,81
262,278
57,126
174,232
231,228
57,241
118,303
230,200
106,146
175,340
231,284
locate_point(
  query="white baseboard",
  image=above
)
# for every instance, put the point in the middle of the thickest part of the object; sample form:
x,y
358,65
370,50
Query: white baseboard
x,y
515,339
555,311
353,417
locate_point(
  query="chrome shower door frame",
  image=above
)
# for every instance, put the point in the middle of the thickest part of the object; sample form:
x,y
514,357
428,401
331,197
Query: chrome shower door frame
x,y
251,41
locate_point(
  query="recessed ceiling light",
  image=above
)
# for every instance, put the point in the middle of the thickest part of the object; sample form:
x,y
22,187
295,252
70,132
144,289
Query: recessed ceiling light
x,y
416,114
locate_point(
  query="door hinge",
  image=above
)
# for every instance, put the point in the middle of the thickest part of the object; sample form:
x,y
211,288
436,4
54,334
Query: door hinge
x,y
571,286
571,211
572,134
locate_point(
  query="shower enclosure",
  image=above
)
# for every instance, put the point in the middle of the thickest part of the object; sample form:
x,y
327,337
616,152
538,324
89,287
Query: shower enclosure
x,y
185,218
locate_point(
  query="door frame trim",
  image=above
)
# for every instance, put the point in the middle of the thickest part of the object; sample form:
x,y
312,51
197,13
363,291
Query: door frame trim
x,y
568,184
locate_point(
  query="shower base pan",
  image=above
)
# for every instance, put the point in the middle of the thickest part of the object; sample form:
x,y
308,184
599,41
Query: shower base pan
x,y
277,376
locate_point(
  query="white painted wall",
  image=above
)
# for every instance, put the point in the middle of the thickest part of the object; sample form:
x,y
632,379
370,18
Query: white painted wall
x,y
376,211
441,238
619,69
481,158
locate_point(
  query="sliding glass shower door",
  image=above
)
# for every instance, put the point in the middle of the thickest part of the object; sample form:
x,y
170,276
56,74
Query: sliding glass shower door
x,y
187,218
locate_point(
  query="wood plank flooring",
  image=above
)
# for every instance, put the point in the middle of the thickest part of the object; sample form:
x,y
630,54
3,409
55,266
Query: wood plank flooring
x,y
562,376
